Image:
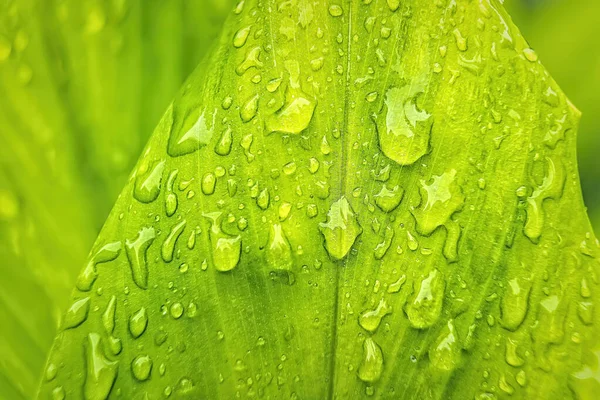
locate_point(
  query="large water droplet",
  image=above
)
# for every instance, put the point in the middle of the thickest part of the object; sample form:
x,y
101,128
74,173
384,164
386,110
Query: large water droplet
x,y
426,305
371,319
226,249
77,313
341,229
107,253
404,130
439,200
168,247
101,373
147,183
190,132
141,367
372,364
136,253
551,188
294,116
249,110
515,303
223,146
383,247
389,199
445,351
240,37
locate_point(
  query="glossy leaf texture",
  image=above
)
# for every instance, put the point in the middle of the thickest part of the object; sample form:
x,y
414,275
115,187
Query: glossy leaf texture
x,y
82,84
348,199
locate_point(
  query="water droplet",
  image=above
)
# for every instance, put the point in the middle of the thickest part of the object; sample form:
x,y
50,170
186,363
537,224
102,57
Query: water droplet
x,y
341,229
77,313
190,132
439,200
241,36
101,373
148,182
168,247
107,253
223,146
252,60
397,286
405,130
461,41
530,55
136,253
58,393
171,198
388,200
512,358
176,310
551,188
226,249
393,4
370,320
141,368
445,351
426,305
138,323
108,317
372,364
246,144
383,247
515,303
335,10
184,387
295,115
249,110
263,199
278,253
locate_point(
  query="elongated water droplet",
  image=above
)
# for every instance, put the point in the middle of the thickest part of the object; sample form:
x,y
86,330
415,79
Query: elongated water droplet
x,y
263,200
148,183
551,188
439,200
426,305
383,247
240,37
511,356
138,323
108,317
168,246
136,253
372,364
252,60
341,229
223,146
171,198
397,286
371,319
107,253
278,253
101,373
249,110
226,249
515,303
77,313
404,130
445,352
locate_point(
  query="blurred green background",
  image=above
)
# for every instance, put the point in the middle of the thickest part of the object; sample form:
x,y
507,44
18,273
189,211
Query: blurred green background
x,y
565,35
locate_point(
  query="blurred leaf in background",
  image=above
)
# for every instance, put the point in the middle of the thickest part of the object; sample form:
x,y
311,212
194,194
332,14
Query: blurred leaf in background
x,y
565,35
82,83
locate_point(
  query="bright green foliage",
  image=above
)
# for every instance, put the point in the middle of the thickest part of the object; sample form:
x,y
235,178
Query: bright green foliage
x,y
563,32
348,199
82,84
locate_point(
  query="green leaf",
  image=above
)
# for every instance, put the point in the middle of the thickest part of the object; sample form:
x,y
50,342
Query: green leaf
x,y
76,108
347,199
561,35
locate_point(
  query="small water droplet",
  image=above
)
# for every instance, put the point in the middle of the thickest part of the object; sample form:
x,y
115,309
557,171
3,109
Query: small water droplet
x,y
148,182
335,10
515,303
77,313
371,319
241,36
226,249
425,307
168,246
